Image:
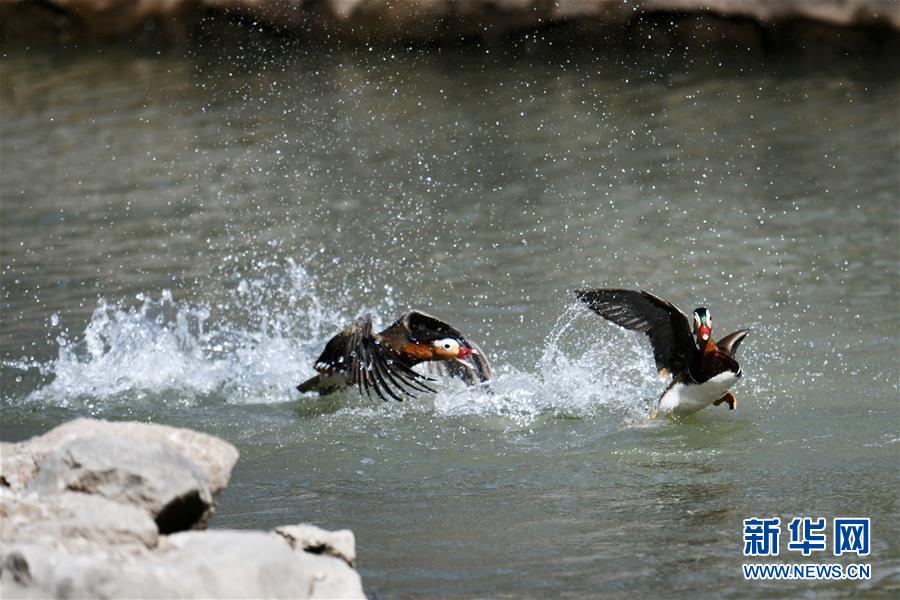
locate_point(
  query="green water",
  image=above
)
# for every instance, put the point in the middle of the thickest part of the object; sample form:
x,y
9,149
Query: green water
x,y
181,234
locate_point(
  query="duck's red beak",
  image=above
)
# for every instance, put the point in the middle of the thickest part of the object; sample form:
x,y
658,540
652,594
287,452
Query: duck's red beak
x,y
465,351
704,332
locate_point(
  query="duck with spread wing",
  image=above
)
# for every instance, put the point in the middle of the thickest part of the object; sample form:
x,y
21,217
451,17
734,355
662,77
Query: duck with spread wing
x,y
383,362
703,371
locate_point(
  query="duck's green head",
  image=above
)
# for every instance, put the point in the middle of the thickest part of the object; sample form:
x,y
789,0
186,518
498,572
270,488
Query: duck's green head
x,y
702,323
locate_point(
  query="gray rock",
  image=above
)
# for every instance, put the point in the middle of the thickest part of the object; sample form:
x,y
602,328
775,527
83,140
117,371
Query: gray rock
x,y
40,571
215,457
146,473
315,540
207,564
16,579
74,520
77,509
177,474
17,468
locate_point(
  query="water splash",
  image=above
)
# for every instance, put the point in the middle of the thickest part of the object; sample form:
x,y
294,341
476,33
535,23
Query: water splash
x,y
578,374
167,348
260,339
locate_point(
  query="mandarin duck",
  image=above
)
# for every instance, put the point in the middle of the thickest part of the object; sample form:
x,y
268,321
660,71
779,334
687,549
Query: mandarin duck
x,y
383,362
702,371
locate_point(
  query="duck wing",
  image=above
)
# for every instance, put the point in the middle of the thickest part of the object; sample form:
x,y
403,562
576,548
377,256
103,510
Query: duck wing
x,y
667,327
730,342
421,327
359,355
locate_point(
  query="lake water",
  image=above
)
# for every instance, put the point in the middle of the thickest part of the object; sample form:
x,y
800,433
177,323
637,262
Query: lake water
x,y
182,233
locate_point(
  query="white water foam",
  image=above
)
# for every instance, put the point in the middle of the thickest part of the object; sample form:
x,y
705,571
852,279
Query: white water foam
x,y
163,346
576,375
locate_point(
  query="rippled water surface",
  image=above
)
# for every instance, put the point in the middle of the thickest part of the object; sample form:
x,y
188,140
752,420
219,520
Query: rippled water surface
x,y
180,235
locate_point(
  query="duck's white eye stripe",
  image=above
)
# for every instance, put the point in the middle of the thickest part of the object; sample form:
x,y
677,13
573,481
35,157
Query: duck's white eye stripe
x,y
446,344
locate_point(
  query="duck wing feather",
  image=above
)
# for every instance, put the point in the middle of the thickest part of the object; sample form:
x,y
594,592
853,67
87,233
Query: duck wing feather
x,y
730,342
669,329
359,355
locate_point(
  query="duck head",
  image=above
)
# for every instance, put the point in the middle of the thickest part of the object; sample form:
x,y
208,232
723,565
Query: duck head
x,y
451,349
702,324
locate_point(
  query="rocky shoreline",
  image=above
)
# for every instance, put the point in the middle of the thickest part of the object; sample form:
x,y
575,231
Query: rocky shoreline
x,y
743,24
119,509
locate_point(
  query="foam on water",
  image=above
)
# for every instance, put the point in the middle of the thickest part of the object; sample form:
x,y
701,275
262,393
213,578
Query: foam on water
x,y
163,345
575,376
270,327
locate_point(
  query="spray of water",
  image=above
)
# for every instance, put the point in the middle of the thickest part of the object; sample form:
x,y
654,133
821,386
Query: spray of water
x,y
163,347
576,375
273,323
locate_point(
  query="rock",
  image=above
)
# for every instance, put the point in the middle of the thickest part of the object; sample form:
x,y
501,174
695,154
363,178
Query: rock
x,y
176,474
213,456
77,510
17,468
207,564
426,20
147,474
16,567
261,565
74,520
312,539
40,571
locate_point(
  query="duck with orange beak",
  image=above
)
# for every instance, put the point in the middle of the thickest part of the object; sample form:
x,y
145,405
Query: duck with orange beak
x,y
702,370
383,362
